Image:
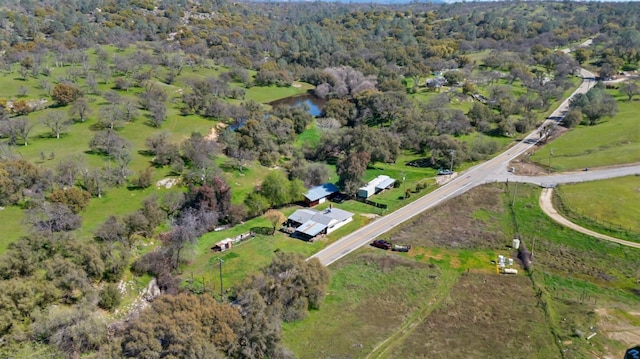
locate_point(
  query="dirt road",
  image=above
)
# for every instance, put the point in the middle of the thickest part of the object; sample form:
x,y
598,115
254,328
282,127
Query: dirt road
x,y
547,207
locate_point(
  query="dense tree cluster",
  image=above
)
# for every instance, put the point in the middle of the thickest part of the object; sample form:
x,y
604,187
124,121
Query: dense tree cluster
x,y
197,326
595,104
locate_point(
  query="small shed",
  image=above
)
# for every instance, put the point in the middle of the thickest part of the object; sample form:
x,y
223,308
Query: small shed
x,y
376,186
223,245
319,194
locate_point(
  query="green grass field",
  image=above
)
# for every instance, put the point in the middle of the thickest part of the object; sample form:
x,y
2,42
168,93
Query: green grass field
x,y
245,258
612,141
12,227
47,151
608,205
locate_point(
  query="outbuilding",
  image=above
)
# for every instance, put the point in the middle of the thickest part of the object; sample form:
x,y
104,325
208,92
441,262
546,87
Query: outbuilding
x,y
319,194
376,186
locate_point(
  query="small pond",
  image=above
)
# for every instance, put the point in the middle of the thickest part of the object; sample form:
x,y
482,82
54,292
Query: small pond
x,y
314,104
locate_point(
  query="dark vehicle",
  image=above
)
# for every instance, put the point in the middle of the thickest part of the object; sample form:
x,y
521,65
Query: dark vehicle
x,y
381,243
401,247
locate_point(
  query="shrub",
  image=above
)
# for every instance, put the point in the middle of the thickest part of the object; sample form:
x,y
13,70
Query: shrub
x,y
65,94
110,297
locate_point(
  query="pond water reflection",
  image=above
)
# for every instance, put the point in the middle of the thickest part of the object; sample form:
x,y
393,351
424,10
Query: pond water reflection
x,y
314,104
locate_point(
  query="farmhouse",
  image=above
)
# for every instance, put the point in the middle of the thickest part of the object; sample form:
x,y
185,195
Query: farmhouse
x,y
309,223
319,194
376,186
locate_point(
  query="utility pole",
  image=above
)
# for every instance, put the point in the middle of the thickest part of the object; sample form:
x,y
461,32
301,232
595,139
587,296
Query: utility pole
x,y
404,186
451,152
221,287
533,246
515,190
550,154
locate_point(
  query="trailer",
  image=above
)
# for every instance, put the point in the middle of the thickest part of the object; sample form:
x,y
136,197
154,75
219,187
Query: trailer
x,y
401,247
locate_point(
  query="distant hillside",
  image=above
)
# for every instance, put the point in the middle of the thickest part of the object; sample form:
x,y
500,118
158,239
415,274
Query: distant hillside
x,y
384,2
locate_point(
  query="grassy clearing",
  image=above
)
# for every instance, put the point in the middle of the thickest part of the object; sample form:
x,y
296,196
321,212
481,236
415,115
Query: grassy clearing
x,y
245,258
12,229
586,146
310,137
610,205
501,310
372,293
272,93
561,251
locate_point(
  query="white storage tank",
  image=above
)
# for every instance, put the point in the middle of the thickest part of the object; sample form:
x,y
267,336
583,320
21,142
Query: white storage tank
x,y
516,243
510,261
510,271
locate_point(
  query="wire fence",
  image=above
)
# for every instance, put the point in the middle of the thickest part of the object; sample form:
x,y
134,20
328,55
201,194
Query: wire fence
x,y
594,223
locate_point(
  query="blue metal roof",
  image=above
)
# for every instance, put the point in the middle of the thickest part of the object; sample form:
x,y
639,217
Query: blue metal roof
x,y
321,191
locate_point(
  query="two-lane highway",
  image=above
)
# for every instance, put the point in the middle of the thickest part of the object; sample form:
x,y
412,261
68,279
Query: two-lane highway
x,y
477,175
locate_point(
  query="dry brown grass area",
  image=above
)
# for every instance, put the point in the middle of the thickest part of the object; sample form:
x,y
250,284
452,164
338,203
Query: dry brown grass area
x,y
502,309
370,296
471,220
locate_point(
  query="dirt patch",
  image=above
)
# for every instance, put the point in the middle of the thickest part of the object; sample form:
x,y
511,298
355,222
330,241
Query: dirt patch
x,y
500,320
621,326
523,166
167,183
527,168
214,131
471,220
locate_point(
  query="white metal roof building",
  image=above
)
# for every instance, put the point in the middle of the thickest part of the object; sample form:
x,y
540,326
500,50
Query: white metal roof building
x,y
376,185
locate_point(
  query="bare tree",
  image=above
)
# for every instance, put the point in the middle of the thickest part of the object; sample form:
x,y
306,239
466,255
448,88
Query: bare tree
x,y
111,116
68,169
22,129
152,94
80,108
56,123
8,129
630,88
52,217
94,181
129,111
158,113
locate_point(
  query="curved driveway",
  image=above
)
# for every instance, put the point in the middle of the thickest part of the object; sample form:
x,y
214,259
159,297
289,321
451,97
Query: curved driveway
x,y
483,173
547,207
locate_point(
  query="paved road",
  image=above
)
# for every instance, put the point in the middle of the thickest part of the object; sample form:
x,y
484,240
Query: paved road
x,y
593,174
547,207
483,173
